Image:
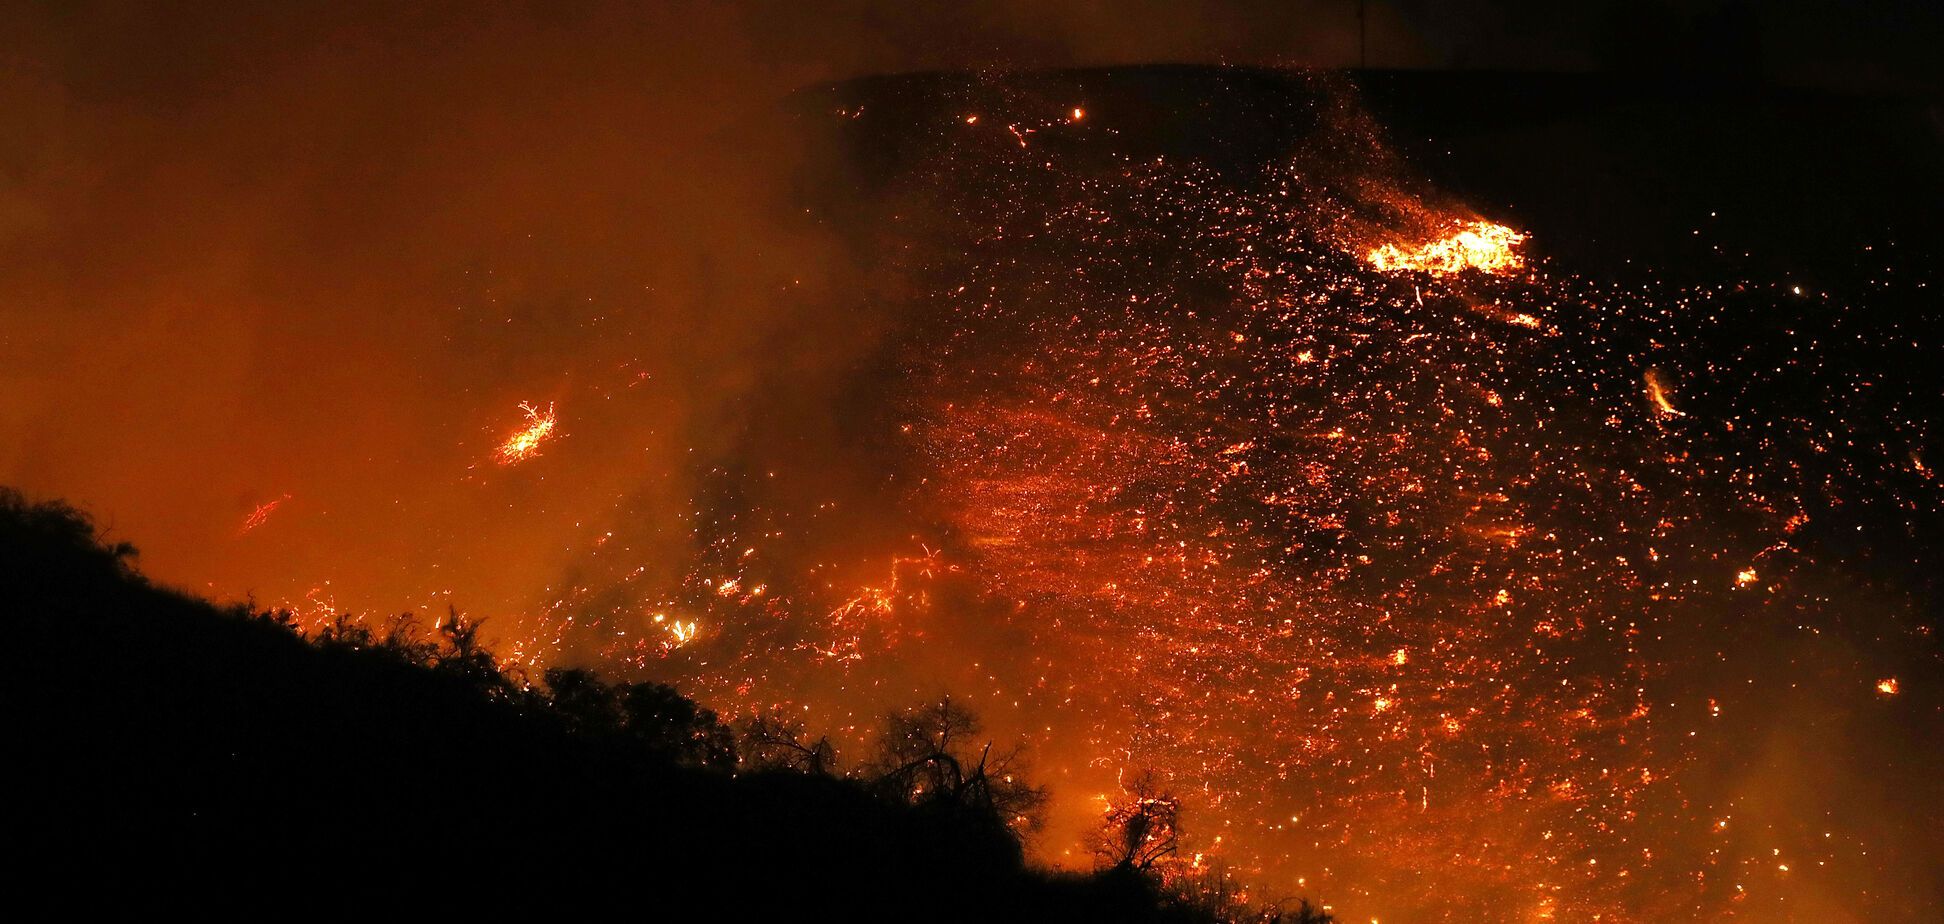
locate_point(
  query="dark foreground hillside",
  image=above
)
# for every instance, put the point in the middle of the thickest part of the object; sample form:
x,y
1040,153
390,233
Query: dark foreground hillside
x,y
165,752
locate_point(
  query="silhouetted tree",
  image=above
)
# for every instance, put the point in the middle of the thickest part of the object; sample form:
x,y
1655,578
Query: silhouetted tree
x,y
773,740
658,719
672,725
1142,827
461,655
586,704
925,757
398,639
50,545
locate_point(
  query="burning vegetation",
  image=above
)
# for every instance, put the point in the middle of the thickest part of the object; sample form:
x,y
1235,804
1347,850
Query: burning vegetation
x,y
524,443
1474,245
1379,554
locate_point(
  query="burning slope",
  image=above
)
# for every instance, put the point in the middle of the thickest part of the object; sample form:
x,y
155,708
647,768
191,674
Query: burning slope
x,y
1433,586
1312,517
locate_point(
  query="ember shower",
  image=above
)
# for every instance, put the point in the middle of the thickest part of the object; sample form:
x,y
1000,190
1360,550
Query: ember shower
x,y
1169,418
1436,584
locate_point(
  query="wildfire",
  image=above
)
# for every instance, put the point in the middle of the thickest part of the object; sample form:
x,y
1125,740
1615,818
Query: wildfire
x,y
1313,545
1475,245
525,443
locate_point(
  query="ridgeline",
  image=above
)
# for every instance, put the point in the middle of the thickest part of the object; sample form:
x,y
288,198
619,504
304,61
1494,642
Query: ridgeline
x,y
168,752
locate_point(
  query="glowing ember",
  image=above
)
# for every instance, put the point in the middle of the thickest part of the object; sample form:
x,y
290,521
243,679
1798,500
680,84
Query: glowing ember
x,y
1887,686
1658,393
1476,245
525,443
261,515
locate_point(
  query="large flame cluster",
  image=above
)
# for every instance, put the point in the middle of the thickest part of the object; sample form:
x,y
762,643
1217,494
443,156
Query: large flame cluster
x,y
1473,245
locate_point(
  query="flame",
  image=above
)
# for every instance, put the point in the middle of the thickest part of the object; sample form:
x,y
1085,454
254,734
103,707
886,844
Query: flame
x,y
1657,392
525,443
1474,245
679,633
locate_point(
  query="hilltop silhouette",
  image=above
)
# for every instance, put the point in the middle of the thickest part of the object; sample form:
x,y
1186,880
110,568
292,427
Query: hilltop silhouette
x,y
170,752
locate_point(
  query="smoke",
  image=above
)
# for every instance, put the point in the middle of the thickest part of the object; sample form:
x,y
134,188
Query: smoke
x,y
326,250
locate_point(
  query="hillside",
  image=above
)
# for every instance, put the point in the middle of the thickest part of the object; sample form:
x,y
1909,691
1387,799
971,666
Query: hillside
x,y
167,749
